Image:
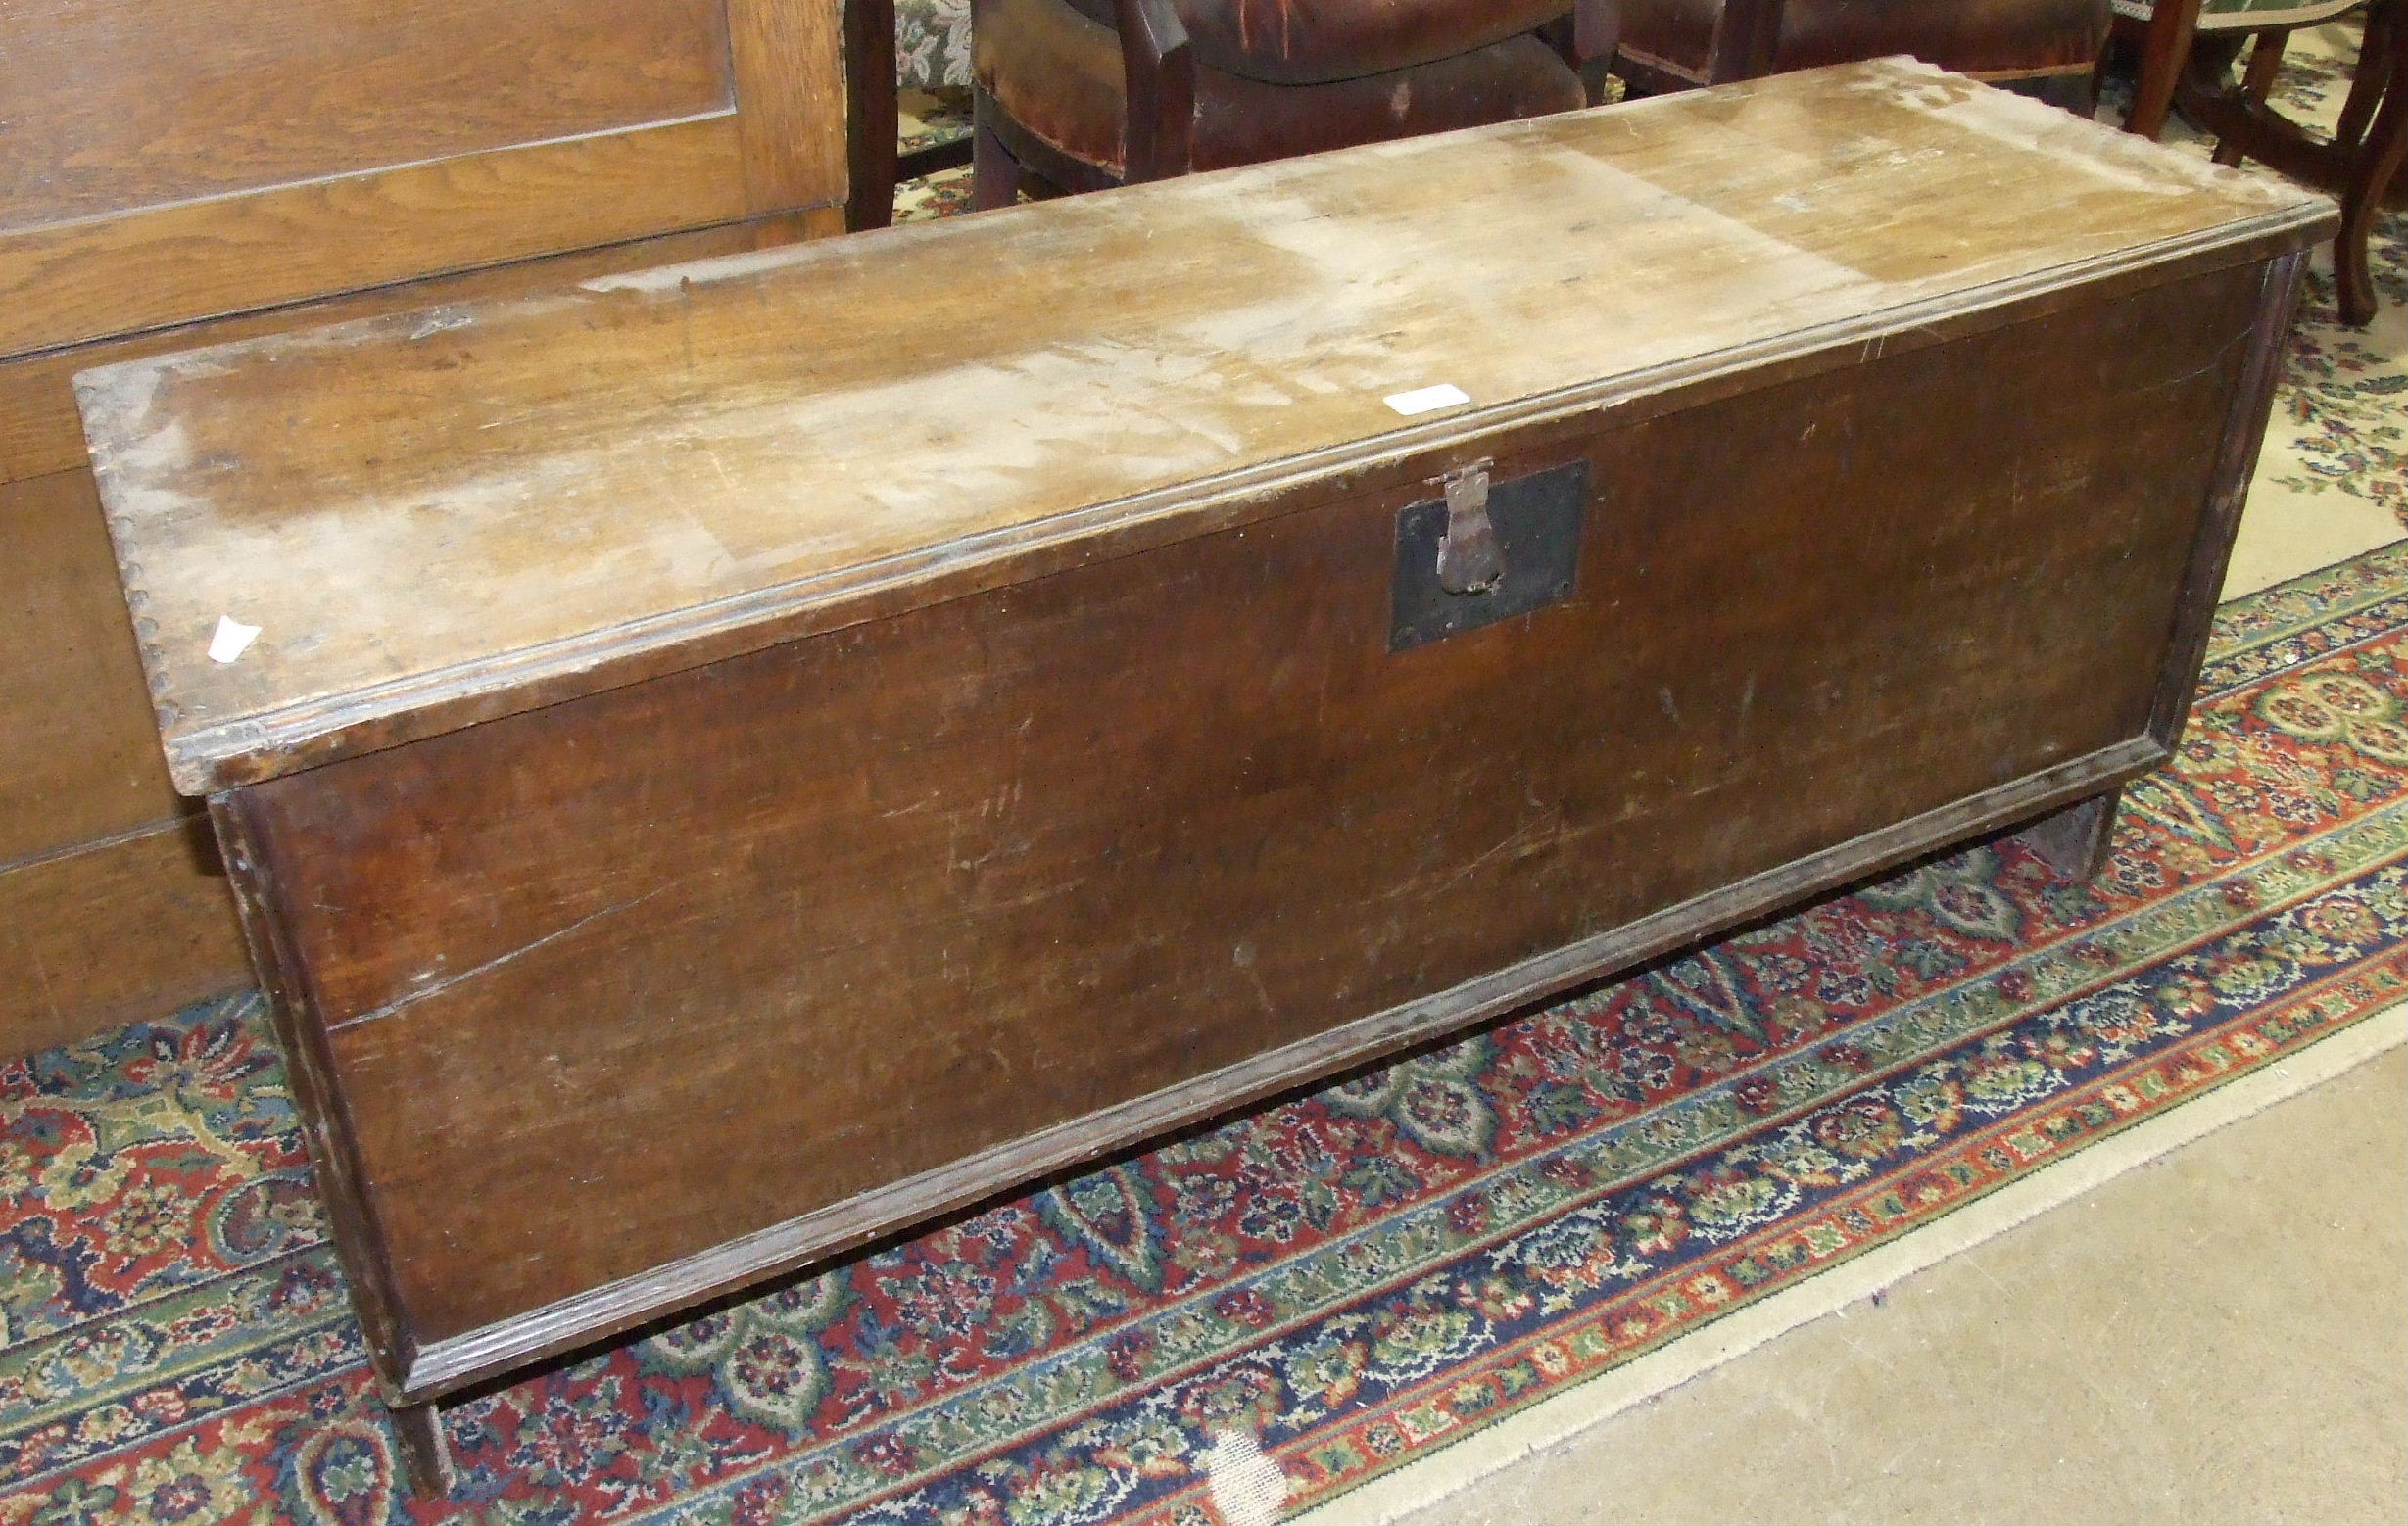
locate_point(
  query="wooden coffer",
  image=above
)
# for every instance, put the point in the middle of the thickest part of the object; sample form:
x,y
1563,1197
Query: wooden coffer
x,y
740,759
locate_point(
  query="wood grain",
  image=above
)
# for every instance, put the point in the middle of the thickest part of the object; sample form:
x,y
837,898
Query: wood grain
x,y
442,1367
844,410
80,750
114,106
40,431
128,928
789,74
172,265
833,915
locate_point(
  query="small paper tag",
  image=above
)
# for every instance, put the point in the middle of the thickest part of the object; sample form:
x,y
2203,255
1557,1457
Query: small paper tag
x,y
1426,400
232,638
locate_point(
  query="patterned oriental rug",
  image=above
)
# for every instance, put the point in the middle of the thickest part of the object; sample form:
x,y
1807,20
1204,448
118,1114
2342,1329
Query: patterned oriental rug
x,y
1322,1291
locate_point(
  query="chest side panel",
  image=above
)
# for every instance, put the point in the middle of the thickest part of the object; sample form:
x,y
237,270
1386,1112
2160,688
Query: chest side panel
x,y
609,983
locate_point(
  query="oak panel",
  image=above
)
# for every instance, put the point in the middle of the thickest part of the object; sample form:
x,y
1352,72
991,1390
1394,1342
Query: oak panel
x,y
172,265
79,746
790,75
870,902
114,106
124,929
40,431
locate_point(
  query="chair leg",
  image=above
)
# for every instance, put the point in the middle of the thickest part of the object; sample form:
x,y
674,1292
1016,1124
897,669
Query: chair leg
x,y
994,174
2378,159
2366,88
2256,83
2075,841
2164,50
426,1452
871,114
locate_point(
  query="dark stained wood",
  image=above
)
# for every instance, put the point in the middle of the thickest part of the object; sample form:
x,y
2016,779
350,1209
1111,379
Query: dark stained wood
x,y
875,818
2075,841
2244,432
872,114
2166,40
326,1127
1746,34
426,1452
1159,87
1123,823
872,122
128,928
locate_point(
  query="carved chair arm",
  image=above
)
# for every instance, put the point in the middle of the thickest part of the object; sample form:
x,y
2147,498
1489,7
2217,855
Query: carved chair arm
x,y
1158,70
1746,33
1597,30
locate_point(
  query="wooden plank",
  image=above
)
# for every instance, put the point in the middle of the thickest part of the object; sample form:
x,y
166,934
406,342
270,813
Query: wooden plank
x,y
79,746
1162,346
41,433
843,913
123,929
111,274
789,90
134,104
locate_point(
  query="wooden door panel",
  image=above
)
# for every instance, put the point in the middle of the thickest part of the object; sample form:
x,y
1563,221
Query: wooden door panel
x,y
78,750
120,105
133,927
149,184
168,265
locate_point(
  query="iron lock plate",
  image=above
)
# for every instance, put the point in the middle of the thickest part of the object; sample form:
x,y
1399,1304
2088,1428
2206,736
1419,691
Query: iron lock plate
x,y
1534,522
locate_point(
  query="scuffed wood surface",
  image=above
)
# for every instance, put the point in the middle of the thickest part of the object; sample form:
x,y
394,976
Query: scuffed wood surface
x,y
498,497
1039,870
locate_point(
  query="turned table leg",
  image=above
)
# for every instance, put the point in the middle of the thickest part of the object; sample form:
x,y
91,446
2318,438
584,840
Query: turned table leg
x,y
426,1457
2074,841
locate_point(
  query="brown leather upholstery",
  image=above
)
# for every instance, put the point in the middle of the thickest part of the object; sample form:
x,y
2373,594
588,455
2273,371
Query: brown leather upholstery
x,y
1058,75
1310,42
1989,39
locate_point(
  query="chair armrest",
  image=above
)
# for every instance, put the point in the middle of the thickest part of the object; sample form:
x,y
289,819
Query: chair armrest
x,y
1746,33
1158,69
1597,30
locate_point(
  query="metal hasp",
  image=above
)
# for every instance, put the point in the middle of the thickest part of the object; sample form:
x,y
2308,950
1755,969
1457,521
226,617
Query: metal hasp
x,y
1486,551
1468,560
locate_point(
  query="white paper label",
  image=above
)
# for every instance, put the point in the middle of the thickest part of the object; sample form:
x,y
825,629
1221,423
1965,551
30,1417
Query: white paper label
x,y
1426,400
232,638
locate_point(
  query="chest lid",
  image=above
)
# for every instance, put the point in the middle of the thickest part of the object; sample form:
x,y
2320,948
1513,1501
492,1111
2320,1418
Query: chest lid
x,y
441,517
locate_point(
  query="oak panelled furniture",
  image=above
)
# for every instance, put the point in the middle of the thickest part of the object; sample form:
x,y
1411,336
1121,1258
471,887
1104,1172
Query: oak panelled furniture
x,y
1677,44
1081,94
743,757
176,173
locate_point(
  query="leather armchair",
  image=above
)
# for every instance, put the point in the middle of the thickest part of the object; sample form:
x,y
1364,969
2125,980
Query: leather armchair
x,y
1074,95
1675,44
